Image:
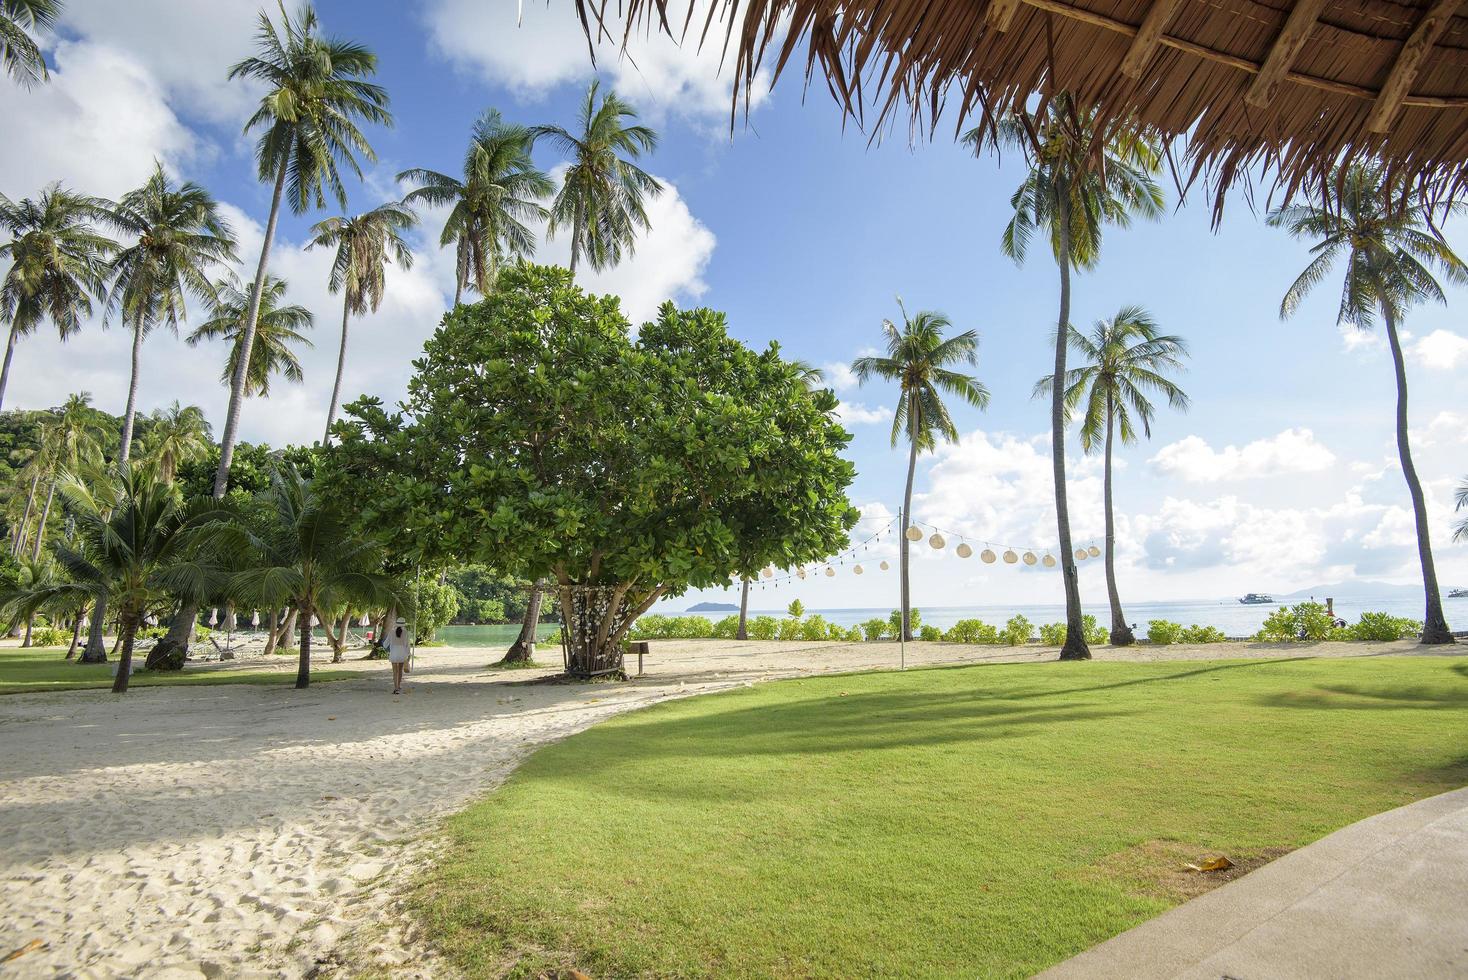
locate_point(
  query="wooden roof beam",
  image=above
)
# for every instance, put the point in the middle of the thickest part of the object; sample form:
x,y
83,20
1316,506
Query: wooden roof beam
x,y
1282,55
1000,13
1148,37
1409,60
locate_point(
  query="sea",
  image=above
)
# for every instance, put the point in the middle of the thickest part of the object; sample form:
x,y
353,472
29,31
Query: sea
x,y
1229,615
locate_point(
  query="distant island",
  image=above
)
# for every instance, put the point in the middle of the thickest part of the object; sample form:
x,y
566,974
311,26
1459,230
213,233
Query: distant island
x,y
712,607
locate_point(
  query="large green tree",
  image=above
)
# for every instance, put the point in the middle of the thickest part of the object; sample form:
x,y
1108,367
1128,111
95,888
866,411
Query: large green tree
x,y
364,244
20,55
603,195
317,95
1393,252
58,263
498,192
539,436
1125,360
921,362
1084,173
173,238
179,435
277,331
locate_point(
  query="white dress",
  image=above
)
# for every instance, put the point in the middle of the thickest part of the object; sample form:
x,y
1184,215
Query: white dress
x,y
399,648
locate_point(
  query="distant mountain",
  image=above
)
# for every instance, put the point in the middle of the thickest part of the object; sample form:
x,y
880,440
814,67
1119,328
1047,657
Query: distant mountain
x,y
1356,590
712,607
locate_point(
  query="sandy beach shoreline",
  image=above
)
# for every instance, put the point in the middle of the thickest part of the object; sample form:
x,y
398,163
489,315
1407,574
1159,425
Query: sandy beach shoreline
x,y
247,830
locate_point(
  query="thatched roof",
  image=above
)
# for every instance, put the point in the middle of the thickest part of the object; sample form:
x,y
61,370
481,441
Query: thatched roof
x,y
1295,85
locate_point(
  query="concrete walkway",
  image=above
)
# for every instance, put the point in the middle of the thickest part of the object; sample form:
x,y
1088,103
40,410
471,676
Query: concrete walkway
x,y
1386,897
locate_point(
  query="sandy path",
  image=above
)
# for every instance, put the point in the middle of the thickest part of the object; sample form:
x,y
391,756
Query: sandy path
x,y
240,830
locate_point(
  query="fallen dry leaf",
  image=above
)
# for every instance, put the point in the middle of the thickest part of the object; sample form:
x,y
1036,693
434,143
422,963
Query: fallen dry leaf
x,y
331,717
29,947
1219,863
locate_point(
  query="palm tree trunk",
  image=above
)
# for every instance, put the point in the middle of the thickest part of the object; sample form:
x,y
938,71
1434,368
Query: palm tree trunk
x,y
247,345
743,632
95,651
29,622
41,527
18,544
902,542
9,352
76,632
132,395
1075,638
1434,624
127,629
303,669
576,227
1121,633
523,650
341,363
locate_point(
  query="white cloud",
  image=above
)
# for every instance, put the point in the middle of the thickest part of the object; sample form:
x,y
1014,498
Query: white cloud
x,y
1446,427
1441,350
839,376
855,413
1354,339
549,48
1292,451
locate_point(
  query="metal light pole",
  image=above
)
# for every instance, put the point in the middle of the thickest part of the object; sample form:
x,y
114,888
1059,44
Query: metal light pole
x,y
901,592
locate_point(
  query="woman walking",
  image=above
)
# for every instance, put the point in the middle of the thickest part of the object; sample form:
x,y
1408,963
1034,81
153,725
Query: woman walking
x,y
399,652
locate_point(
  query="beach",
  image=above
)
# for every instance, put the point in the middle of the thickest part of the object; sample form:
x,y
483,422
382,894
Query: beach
x,y
263,831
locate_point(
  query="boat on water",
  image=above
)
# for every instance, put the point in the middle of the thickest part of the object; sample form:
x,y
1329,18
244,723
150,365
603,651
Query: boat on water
x,y
1257,599
1458,594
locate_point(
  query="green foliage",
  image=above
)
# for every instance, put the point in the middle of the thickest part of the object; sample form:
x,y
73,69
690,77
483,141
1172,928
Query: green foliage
x,y
655,627
796,608
763,628
853,634
816,628
1052,634
1017,631
1164,633
790,629
1096,634
1304,621
971,631
875,629
487,596
434,607
931,634
1203,634
1384,626
914,621
50,636
725,628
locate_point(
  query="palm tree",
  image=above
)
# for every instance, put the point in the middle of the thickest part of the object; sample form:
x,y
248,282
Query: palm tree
x,y
1460,502
364,245
603,192
277,329
20,55
1392,249
305,554
1124,360
178,236
499,191
317,94
179,435
58,262
922,362
1083,174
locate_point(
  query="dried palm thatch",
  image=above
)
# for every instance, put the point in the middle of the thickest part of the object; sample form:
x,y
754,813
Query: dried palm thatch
x,y
1290,86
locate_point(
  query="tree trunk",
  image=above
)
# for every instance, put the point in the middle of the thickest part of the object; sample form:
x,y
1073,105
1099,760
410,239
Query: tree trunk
x,y
96,648
303,670
76,632
743,632
1121,633
594,622
127,629
9,352
180,635
132,394
271,636
18,542
1075,638
346,624
29,622
461,272
576,227
902,542
41,527
1434,624
523,650
341,363
247,346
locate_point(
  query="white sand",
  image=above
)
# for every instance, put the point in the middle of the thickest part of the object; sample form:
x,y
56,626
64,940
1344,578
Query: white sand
x,y
241,830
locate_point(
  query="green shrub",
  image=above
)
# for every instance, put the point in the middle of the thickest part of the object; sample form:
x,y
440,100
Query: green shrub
x,y
914,622
149,633
1203,634
1017,631
796,609
763,628
1384,626
971,631
930,633
815,628
725,628
671,628
553,637
436,605
50,636
1164,633
1306,621
875,629
1052,634
789,629
1095,633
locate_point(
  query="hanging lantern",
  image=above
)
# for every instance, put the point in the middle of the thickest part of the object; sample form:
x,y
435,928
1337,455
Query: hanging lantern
x,y
1030,558
884,566
914,533
937,541
768,573
1049,561
830,572
964,551
987,556
1010,557
857,569
1094,551
800,571
1080,554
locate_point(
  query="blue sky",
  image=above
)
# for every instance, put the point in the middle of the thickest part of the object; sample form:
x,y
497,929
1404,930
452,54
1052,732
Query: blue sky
x,y
1282,475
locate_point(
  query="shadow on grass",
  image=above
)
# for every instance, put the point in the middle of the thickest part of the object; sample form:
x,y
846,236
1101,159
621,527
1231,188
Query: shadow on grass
x,y
1358,698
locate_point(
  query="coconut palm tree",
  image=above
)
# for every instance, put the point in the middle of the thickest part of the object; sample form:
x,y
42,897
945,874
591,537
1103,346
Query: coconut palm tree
x,y
364,244
1392,250
317,94
1125,360
305,554
603,193
20,55
1083,175
277,330
179,435
58,262
174,236
489,205
922,363
1460,502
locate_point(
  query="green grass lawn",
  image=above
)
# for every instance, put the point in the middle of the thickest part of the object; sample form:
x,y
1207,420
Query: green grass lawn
x,y
44,669
974,821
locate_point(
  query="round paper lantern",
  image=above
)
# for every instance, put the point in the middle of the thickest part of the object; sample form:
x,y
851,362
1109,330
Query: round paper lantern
x,y
1094,551
768,573
857,569
1010,557
914,534
1049,561
987,556
885,565
937,541
964,550
800,571
830,572
1030,558
1080,554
